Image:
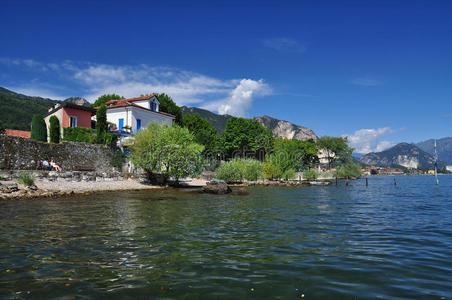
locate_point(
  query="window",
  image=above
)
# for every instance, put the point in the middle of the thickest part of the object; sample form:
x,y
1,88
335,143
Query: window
x,y
138,124
72,121
120,124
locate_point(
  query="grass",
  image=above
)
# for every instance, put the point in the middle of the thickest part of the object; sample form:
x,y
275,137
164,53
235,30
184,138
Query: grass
x,y
26,179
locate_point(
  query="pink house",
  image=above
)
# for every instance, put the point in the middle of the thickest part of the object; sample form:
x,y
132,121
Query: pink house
x,y
70,115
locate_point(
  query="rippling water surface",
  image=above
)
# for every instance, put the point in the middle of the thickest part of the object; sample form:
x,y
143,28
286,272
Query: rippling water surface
x,y
383,241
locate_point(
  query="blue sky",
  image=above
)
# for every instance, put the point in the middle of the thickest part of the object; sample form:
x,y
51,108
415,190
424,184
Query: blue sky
x,y
378,71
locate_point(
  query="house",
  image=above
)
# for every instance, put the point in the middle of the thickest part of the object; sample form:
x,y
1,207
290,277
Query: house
x,y
19,133
136,113
70,115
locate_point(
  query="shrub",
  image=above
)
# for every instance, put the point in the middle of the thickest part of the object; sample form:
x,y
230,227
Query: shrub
x,y
101,124
231,171
2,128
79,134
350,170
310,175
252,169
110,139
118,159
38,129
26,179
289,174
54,130
271,168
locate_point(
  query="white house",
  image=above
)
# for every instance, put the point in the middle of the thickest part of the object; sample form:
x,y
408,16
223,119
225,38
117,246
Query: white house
x,y
136,113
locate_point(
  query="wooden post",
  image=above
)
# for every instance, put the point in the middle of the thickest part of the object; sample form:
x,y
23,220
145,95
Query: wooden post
x,y
336,180
346,180
395,182
367,182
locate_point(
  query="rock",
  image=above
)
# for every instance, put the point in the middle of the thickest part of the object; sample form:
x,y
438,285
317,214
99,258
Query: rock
x,y
9,187
216,187
32,187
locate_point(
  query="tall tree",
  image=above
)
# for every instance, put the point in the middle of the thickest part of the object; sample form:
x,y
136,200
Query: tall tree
x,y
101,124
204,132
168,105
243,136
105,98
292,154
38,129
54,129
334,149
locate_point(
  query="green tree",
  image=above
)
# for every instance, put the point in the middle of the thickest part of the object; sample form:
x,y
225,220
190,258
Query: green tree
x,y
172,150
205,134
294,154
231,171
168,105
101,124
38,129
105,98
310,175
245,135
272,169
349,170
54,129
334,148
2,128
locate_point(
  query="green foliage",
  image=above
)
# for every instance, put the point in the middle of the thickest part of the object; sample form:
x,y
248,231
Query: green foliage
x,y
272,169
54,129
79,134
16,110
172,150
169,106
105,98
118,159
292,154
231,171
310,175
26,179
2,128
38,129
101,124
336,148
110,139
243,135
205,134
252,169
350,170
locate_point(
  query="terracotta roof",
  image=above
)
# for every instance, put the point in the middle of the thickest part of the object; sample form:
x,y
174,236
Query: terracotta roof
x,y
132,99
129,102
19,133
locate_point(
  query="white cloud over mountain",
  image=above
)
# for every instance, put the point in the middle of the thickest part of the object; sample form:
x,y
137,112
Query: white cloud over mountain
x,y
232,96
370,140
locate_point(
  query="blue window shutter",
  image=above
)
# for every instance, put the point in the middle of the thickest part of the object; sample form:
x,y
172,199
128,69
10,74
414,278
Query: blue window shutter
x,y
121,124
138,124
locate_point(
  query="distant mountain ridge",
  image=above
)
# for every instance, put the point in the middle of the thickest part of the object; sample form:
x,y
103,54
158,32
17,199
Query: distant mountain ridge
x,y
78,101
218,121
403,154
443,148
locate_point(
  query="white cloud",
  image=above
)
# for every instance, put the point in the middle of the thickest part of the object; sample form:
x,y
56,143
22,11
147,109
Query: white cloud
x,y
232,96
369,140
241,98
284,45
366,82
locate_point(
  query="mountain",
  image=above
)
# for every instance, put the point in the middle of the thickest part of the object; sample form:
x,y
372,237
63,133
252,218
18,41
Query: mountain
x,y
404,154
17,110
218,121
78,101
286,129
443,147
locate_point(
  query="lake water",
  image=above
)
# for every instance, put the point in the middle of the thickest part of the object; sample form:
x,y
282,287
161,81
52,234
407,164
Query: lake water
x,y
383,241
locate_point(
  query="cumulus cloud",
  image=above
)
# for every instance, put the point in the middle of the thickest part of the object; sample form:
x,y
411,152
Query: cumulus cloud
x,y
232,96
369,140
240,99
366,82
284,45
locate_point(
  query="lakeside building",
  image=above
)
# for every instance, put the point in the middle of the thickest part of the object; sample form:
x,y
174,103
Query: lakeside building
x,y
70,115
136,113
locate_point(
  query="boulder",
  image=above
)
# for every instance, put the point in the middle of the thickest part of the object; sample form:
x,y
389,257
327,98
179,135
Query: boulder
x,y
216,187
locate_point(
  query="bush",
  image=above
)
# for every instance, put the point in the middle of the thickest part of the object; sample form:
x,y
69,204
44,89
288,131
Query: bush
x,y
2,128
38,129
271,168
289,174
252,169
110,139
310,175
350,170
231,171
79,134
26,179
54,130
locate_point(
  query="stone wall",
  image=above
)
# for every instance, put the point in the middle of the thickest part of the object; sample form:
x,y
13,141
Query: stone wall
x,y
22,154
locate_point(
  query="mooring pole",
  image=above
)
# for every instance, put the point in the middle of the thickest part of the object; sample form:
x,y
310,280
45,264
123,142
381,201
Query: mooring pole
x,y
367,182
336,180
346,180
395,182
